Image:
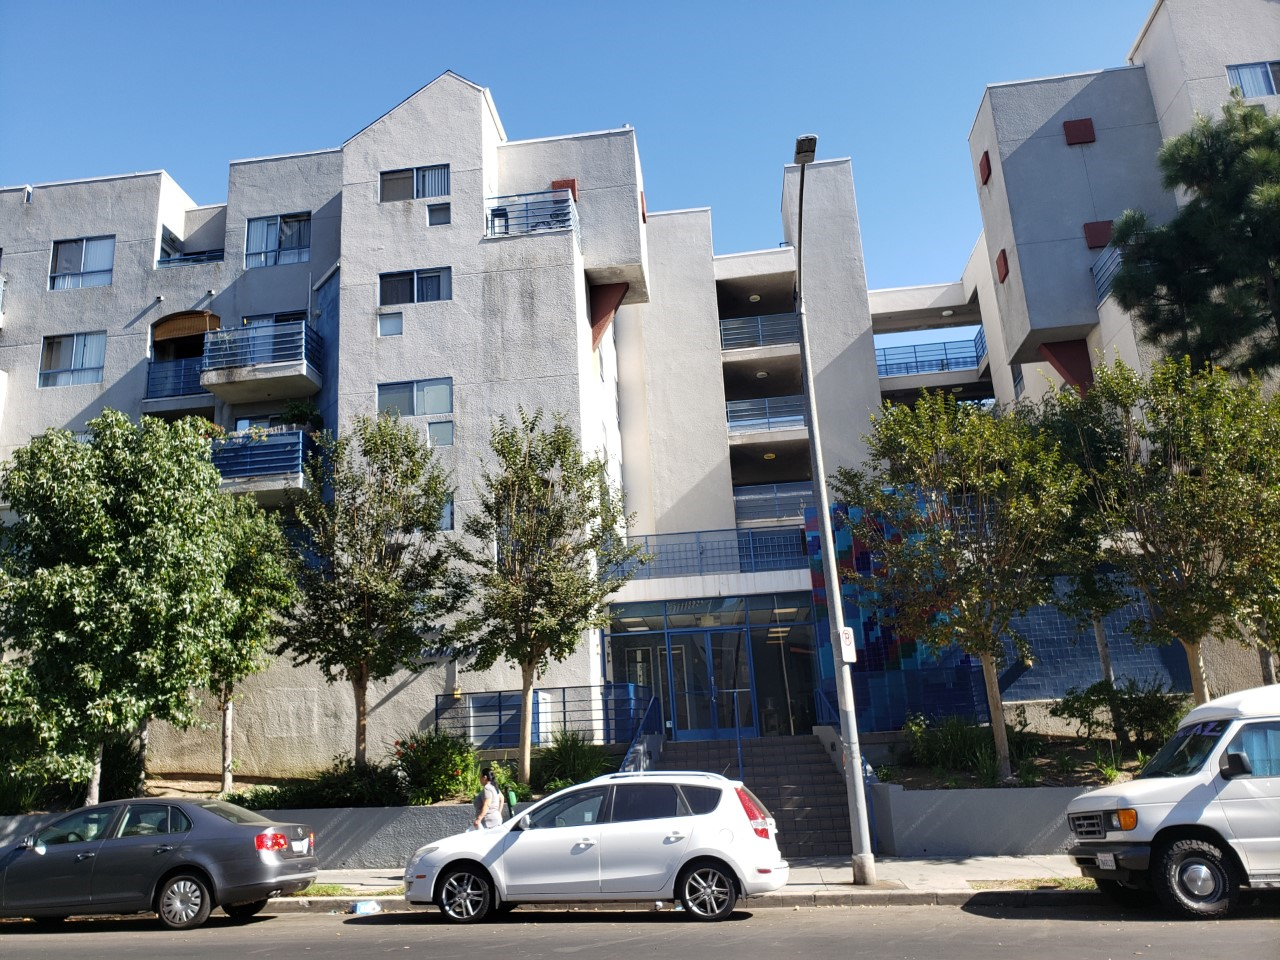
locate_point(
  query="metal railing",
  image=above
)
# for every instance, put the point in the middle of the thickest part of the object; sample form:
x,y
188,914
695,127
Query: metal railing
x,y
174,378
931,357
609,713
765,331
255,454
773,413
703,552
180,259
772,501
1104,270
294,340
980,345
640,755
521,213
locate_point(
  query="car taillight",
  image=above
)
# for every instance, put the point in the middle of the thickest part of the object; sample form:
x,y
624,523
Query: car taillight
x,y
754,814
271,841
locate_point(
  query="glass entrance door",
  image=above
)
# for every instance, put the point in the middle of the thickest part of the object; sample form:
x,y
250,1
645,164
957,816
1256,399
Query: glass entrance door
x,y
711,692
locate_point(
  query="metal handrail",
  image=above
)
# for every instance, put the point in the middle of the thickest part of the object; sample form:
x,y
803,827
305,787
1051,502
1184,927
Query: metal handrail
x,y
980,344
772,413
610,712
521,213
254,454
294,340
174,378
739,332
706,552
1104,270
203,256
771,501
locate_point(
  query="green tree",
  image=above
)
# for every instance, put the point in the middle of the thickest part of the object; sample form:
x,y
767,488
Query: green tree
x,y
112,583
1207,283
261,584
377,582
959,506
1190,499
550,528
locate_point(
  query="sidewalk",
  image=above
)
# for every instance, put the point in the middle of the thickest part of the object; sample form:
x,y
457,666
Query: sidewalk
x,y
814,882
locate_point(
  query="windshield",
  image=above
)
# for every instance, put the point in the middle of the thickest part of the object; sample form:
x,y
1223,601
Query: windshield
x,y
229,811
1187,750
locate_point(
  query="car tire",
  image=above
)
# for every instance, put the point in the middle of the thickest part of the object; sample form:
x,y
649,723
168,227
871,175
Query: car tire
x,y
707,890
183,901
465,895
1193,878
243,911
1125,894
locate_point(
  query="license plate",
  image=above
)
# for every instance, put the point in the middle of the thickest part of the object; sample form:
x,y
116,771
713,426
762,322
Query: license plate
x,y
299,846
1106,861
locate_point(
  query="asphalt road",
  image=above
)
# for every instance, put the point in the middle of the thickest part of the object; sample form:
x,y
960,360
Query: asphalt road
x,y
919,933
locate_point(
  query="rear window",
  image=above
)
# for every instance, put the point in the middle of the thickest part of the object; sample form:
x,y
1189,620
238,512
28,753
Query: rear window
x,y
229,811
702,799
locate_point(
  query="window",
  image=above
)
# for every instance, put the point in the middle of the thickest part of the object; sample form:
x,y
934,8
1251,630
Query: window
x,y
446,516
1255,79
82,263
278,240
416,183
152,819
415,286
79,827
577,809
440,433
417,398
390,324
1260,742
646,801
438,214
72,359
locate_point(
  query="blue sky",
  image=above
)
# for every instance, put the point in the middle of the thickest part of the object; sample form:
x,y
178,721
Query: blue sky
x,y
717,92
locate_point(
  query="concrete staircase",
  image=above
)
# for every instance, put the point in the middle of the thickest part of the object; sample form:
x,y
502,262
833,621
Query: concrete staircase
x,y
794,777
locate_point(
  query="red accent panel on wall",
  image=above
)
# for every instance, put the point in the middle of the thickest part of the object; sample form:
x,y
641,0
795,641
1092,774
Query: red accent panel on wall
x,y
571,185
644,210
1002,266
1097,233
1079,131
605,300
1070,358
984,167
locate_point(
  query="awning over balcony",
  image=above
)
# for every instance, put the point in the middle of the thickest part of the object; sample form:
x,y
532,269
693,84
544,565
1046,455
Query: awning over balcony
x,y
187,323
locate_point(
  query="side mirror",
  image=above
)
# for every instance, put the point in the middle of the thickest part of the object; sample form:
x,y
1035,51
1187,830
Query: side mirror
x,y
524,823
30,843
1236,765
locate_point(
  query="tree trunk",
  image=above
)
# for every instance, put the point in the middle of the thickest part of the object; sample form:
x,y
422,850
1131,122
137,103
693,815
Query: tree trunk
x,y
360,687
144,738
1109,675
526,720
995,704
228,718
1195,663
95,780
1267,660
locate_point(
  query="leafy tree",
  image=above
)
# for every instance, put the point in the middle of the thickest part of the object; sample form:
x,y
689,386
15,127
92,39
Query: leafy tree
x,y
112,582
1190,499
260,586
959,506
376,580
1207,283
550,526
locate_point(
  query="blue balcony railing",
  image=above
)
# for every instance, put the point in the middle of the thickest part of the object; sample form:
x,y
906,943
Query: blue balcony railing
x,y
610,713
180,259
777,328
530,213
773,413
174,378
980,344
931,357
772,501
294,340
703,552
255,454
1104,270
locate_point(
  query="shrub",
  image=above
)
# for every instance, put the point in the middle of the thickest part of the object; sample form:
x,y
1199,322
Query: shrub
x,y
1149,712
436,766
570,757
341,785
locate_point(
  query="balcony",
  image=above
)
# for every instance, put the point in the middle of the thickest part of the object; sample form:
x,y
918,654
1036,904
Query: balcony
x,y
771,413
708,552
522,213
745,332
772,502
915,359
182,259
265,464
265,361
1104,270
176,378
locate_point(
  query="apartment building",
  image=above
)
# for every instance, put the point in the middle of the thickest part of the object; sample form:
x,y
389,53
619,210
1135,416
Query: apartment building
x,y
431,266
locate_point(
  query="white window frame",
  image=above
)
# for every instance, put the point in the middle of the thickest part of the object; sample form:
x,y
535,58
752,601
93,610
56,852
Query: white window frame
x,y
97,276
273,254
79,372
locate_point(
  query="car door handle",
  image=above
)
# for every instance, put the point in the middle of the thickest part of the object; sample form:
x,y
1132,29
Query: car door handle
x,y
587,842
83,856
675,835
164,848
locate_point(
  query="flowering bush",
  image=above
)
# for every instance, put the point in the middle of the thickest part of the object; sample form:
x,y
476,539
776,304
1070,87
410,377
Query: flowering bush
x,y
436,766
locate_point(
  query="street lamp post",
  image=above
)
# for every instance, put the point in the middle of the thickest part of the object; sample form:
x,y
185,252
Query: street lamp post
x,y
864,864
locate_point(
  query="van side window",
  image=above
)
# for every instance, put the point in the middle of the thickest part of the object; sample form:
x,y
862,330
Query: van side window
x,y
1260,742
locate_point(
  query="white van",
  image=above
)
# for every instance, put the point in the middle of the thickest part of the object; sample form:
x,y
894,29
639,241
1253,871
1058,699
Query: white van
x,y
1201,821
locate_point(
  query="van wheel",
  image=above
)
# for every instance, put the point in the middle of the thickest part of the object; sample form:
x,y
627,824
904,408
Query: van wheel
x,y
1194,879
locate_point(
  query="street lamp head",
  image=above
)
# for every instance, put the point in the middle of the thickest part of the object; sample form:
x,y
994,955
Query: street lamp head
x,y
806,148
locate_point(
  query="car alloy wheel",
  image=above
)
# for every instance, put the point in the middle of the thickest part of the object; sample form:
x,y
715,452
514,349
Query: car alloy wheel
x,y
708,892
465,895
183,902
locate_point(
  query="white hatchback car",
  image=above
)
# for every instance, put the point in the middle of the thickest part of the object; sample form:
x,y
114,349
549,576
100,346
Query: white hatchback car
x,y
697,837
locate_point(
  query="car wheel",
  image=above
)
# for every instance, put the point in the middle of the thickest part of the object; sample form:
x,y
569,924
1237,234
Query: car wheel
x,y
708,891
1125,894
465,896
243,911
183,902
1193,878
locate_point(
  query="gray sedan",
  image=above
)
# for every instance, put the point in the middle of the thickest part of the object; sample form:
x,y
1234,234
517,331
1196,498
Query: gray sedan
x,y
178,858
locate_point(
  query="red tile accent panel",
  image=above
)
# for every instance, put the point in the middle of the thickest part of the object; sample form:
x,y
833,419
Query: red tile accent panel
x,y
1002,266
1079,131
1070,358
605,300
1097,233
984,167
571,185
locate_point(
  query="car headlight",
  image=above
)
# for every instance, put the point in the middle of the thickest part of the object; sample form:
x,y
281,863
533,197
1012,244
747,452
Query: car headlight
x,y
1126,818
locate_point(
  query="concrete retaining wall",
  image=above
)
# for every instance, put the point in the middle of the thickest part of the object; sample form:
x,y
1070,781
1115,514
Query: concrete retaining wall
x,y
959,823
